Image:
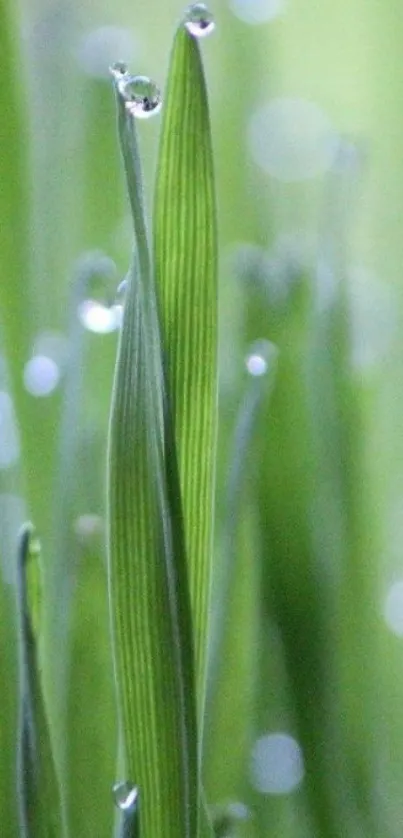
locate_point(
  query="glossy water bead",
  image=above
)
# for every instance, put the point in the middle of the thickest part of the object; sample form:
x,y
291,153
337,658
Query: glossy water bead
x,y
125,795
199,21
118,70
141,95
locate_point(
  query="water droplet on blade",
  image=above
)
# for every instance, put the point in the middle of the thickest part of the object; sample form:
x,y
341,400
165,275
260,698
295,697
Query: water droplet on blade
x,y
122,291
141,96
97,279
126,796
118,69
199,21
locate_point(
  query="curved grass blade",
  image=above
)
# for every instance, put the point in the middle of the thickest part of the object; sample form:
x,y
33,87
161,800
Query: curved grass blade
x,y
149,598
40,813
258,389
233,657
186,282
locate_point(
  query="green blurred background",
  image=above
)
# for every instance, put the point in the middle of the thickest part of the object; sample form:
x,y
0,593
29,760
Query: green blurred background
x,y
305,720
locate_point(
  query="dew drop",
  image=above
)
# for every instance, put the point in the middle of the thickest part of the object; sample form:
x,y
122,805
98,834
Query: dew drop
x,y
120,300
126,796
122,291
97,279
118,69
141,95
199,21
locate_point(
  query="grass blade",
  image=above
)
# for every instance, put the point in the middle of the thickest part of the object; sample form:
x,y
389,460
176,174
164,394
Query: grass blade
x,y
40,813
185,268
13,204
147,568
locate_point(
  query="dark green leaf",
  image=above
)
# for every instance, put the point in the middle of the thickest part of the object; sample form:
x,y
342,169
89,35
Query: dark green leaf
x,y
40,813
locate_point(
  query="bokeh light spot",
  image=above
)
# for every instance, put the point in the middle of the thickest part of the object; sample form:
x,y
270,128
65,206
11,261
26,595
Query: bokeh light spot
x,y
277,765
254,12
393,609
41,375
292,139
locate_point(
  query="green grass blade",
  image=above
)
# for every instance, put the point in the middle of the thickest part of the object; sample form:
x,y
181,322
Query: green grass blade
x,y
40,813
149,596
233,658
14,299
186,282
151,681
257,390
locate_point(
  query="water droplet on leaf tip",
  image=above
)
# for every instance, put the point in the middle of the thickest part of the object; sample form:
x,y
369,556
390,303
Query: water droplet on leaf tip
x,y
141,95
125,796
118,69
199,21
99,318
97,283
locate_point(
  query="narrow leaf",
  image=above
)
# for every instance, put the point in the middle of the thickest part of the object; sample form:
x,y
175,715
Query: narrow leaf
x,y
40,813
149,604
186,283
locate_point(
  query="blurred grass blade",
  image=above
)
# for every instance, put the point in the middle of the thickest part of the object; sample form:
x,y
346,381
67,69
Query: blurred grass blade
x,y
14,192
149,599
186,283
258,389
40,814
235,639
